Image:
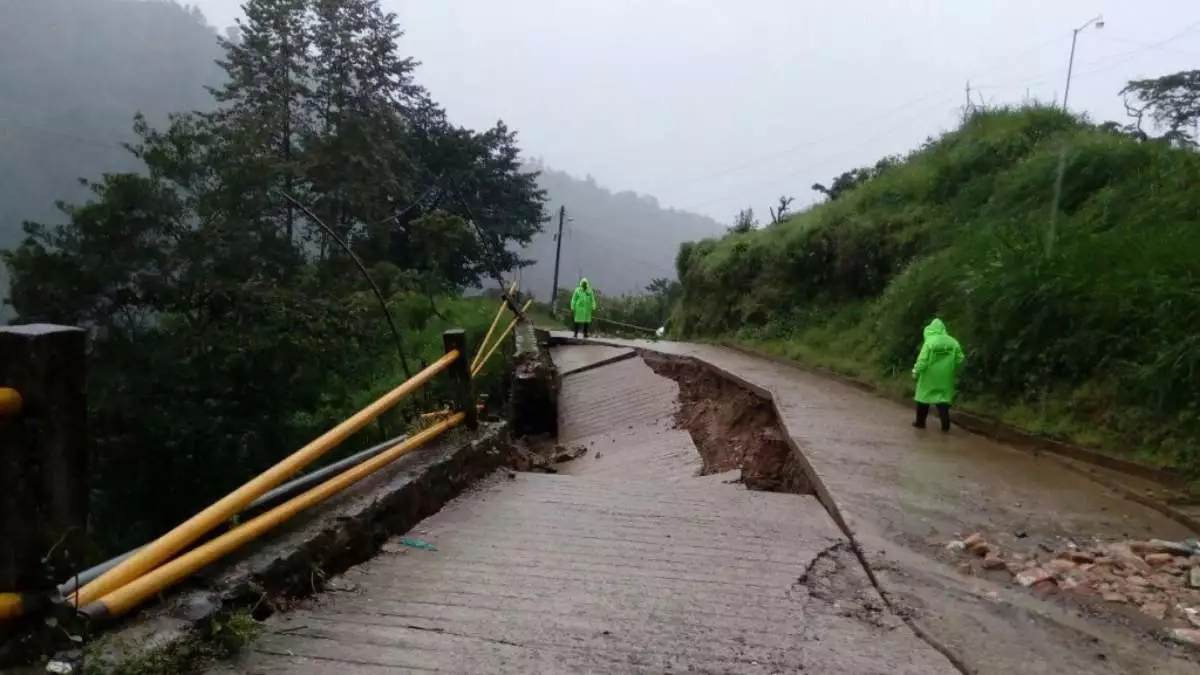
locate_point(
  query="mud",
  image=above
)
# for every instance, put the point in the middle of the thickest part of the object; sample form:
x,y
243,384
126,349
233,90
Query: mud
x,y
541,454
733,428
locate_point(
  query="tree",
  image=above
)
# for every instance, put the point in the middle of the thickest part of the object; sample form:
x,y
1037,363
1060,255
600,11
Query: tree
x,y
781,213
852,179
1173,103
666,291
744,222
211,295
261,105
1131,130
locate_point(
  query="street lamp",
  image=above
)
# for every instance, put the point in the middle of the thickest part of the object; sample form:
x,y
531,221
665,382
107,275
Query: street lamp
x,y
1098,21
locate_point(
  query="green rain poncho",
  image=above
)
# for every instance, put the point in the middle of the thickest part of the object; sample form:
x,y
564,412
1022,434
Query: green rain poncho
x,y
583,302
937,366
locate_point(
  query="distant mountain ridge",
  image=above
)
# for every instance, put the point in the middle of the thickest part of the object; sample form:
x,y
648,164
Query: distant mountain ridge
x,y
75,73
620,241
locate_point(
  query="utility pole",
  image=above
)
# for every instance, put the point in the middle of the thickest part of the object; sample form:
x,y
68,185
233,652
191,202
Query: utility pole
x,y
562,217
1099,23
967,106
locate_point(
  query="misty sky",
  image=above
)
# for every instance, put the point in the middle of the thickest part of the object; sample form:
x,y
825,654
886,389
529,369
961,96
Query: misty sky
x,y
714,105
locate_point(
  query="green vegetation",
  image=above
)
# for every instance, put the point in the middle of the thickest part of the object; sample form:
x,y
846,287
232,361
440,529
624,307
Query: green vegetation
x,y
1063,256
230,320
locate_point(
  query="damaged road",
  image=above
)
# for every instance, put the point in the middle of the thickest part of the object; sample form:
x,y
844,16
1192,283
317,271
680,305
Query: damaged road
x,y
642,555
772,522
903,494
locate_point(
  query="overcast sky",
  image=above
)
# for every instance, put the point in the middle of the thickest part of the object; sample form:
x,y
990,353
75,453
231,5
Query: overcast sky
x,y
714,105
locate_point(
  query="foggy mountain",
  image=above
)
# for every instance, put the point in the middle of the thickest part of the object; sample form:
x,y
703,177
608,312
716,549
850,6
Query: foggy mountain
x,y
619,241
75,72
72,75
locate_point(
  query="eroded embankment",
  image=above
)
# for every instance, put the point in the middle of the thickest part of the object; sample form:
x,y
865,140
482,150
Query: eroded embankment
x,y
733,428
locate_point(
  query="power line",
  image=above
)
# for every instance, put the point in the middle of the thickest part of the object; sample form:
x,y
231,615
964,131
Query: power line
x,y
757,160
823,159
1121,58
605,238
107,145
1138,43
1104,64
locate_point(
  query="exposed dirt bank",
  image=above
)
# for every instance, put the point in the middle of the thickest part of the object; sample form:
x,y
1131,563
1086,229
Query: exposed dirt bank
x,y
733,428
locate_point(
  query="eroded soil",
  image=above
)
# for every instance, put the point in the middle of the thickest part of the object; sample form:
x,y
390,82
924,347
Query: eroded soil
x,y
733,428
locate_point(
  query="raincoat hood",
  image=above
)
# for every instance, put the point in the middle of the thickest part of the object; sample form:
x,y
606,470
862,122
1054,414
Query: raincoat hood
x,y
583,283
935,327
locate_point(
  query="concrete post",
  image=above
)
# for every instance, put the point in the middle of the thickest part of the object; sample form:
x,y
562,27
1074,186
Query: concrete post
x,y
43,456
460,374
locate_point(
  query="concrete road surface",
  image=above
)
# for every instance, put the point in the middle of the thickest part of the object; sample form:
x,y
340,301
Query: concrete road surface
x,y
905,493
628,563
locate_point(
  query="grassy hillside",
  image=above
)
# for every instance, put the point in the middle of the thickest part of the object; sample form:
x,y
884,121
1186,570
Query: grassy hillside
x,y
1064,257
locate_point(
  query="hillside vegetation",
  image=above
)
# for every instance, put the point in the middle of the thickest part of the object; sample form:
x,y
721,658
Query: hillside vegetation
x,y
1063,255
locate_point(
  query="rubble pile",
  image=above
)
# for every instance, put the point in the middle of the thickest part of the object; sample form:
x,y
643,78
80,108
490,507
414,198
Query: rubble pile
x,y
542,455
1160,578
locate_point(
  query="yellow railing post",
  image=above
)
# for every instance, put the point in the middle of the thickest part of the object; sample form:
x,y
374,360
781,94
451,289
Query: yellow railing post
x,y
166,546
132,594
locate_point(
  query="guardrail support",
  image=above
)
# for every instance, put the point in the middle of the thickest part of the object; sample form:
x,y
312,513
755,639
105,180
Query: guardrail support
x,y
43,456
460,373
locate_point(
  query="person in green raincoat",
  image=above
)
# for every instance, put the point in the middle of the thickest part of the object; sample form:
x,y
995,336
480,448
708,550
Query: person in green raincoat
x,y
935,371
583,303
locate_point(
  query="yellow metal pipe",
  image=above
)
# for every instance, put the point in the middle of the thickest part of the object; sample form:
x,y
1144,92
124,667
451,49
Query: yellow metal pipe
x,y
11,403
492,328
139,590
443,412
11,605
161,549
499,341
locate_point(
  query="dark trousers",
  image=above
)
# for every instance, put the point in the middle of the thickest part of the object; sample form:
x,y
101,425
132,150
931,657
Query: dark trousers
x,y
582,326
923,413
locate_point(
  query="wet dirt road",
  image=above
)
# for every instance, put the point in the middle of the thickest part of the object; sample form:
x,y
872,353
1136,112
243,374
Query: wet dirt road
x,y
904,493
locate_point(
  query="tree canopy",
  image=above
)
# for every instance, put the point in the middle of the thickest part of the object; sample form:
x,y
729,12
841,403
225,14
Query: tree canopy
x,y
1172,102
212,274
